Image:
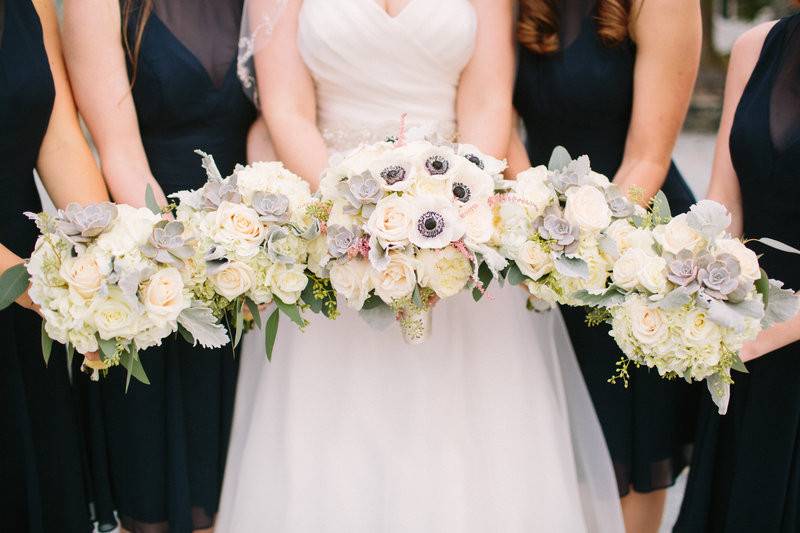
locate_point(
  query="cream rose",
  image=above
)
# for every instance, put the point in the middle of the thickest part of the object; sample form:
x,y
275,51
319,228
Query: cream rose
x,y
83,340
699,330
353,280
129,231
676,235
478,221
238,225
532,187
625,273
533,261
391,220
648,325
587,207
233,280
287,282
748,260
163,296
397,280
653,276
446,271
84,274
619,231
113,316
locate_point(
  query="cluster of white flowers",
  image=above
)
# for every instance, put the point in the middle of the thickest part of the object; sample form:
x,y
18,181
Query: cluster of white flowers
x,y
408,223
684,296
552,225
110,278
252,231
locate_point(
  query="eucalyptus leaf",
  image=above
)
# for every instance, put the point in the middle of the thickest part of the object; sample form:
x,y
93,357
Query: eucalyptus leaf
x,y
738,364
372,302
108,348
416,297
291,311
485,276
514,275
150,200
126,360
573,267
661,208
136,366
238,324
308,297
762,287
559,159
47,345
778,245
271,332
70,354
13,283
254,310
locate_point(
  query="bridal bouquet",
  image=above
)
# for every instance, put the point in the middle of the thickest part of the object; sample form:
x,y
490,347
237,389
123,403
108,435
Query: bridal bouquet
x,y
684,296
252,230
408,224
552,226
110,278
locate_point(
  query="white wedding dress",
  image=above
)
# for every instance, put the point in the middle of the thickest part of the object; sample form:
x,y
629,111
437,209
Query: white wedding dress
x,y
487,426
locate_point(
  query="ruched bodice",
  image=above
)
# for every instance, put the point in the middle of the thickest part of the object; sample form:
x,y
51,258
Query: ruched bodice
x,y
370,67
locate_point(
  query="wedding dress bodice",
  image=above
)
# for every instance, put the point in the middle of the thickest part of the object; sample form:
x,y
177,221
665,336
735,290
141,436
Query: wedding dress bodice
x,y
369,67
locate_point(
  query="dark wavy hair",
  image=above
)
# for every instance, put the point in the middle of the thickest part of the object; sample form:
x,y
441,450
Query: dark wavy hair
x,y
133,43
538,24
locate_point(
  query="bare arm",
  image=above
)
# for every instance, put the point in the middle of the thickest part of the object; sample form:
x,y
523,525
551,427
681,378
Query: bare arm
x,y
288,100
668,36
517,156
96,62
483,105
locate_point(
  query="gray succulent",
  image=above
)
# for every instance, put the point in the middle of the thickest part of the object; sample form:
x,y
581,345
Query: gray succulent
x,y
554,227
274,235
360,190
720,277
271,207
167,244
217,191
683,269
340,239
574,174
618,203
80,224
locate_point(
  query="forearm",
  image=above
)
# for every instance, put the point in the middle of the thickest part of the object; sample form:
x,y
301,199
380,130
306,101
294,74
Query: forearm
x,y
128,181
299,145
517,157
772,339
486,123
69,172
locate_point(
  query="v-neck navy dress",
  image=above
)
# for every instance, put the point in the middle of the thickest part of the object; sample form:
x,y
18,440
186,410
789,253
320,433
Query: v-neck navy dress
x,y
745,476
159,451
42,455
581,98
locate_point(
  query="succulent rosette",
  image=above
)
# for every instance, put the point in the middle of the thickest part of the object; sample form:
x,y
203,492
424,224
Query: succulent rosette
x,y
112,279
408,224
551,225
684,295
253,231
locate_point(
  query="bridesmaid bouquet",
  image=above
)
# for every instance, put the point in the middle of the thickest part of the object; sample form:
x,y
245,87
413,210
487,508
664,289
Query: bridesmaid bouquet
x,y
252,233
553,226
684,295
406,225
111,278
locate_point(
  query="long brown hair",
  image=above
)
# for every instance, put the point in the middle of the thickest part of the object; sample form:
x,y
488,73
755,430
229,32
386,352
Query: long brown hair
x,y
538,23
142,10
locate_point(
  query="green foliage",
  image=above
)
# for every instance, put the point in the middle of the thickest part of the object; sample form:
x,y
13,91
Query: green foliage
x,y
596,316
271,332
320,296
622,372
47,345
13,283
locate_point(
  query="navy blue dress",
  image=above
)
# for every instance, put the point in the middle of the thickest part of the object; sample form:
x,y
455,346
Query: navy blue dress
x,y
42,476
581,98
745,476
159,451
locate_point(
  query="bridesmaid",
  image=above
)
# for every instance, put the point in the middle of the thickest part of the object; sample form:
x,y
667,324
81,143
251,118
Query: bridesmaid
x,y
745,475
612,79
155,80
41,449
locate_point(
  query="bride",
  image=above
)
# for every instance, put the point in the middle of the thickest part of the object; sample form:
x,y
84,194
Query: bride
x,y
487,426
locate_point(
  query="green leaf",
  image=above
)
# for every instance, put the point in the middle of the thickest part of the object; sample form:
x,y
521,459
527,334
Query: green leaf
x,y
186,334
485,276
272,332
661,208
70,354
559,159
515,276
738,364
253,308
126,360
239,325
372,302
150,200
107,348
47,345
778,245
416,297
136,366
762,287
308,297
292,311
13,283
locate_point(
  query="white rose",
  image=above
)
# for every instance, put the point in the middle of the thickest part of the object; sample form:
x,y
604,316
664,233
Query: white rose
x,y
648,325
397,280
699,330
748,260
446,271
163,296
391,220
587,207
532,186
626,269
352,279
642,239
619,231
114,316
238,225
318,256
653,276
233,280
129,231
83,340
287,283
152,336
533,261
676,235
478,221
84,274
